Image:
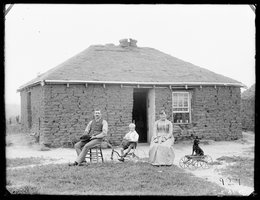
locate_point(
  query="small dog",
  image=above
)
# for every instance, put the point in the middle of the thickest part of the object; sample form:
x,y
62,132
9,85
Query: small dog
x,y
198,151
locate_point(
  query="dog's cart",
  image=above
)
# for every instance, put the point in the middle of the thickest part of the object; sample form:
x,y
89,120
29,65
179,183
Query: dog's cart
x,y
195,161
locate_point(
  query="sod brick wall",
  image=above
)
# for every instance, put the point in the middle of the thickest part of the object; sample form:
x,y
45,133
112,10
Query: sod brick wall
x,y
69,109
248,114
215,113
37,106
64,111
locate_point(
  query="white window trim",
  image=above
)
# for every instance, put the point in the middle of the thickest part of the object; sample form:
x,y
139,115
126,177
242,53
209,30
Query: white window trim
x,y
189,106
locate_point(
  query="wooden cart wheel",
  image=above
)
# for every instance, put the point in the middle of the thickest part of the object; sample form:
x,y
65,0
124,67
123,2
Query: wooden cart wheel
x,y
204,164
208,159
193,164
197,163
184,162
205,161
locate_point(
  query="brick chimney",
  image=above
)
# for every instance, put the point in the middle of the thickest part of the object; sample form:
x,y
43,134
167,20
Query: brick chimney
x,y
126,43
133,42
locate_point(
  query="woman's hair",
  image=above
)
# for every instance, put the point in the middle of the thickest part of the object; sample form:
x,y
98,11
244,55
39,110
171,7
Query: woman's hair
x,y
97,110
162,112
132,125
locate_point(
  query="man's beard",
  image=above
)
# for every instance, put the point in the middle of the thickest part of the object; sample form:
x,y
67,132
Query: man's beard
x,y
97,118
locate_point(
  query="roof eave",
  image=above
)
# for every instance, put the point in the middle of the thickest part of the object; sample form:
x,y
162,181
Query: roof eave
x,y
42,82
144,83
29,85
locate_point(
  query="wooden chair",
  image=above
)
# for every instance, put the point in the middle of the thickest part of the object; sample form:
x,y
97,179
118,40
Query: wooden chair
x,y
95,154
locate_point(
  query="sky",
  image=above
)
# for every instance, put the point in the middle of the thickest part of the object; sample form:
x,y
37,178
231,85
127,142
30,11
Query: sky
x,y
38,37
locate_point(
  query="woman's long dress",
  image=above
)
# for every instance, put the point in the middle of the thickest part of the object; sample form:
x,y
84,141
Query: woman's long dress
x,y
162,153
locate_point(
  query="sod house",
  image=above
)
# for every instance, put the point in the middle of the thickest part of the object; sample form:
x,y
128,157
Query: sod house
x,y
130,84
248,109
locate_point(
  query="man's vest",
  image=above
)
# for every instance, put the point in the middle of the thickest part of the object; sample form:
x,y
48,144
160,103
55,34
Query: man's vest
x,y
96,127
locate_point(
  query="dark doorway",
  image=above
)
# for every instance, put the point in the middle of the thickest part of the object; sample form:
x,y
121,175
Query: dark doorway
x,y
140,113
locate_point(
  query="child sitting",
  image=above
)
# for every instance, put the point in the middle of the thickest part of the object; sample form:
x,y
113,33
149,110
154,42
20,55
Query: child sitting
x,y
129,141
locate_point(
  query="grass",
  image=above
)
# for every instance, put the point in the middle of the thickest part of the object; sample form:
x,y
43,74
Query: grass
x,y
240,168
113,179
22,189
13,128
14,139
24,161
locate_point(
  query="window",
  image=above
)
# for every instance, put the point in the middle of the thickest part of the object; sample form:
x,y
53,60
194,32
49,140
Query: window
x,y
181,107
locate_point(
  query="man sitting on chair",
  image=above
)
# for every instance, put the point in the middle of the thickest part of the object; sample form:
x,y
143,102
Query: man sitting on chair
x,y
94,133
129,141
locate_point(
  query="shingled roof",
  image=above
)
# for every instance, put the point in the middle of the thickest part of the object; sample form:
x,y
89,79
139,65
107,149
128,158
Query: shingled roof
x,y
249,93
127,63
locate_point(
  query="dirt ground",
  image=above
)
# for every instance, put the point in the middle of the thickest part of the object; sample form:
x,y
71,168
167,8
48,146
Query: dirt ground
x,y
243,147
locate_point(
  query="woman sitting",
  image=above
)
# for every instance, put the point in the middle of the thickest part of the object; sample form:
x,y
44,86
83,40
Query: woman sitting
x,y
161,148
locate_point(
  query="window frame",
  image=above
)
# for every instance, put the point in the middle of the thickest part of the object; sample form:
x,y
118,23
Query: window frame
x,y
189,106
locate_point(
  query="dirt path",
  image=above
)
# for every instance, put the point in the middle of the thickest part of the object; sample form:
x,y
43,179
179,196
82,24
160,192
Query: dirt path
x,y
241,147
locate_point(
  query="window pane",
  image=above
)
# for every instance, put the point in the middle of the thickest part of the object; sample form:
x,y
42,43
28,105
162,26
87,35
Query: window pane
x,y
180,102
180,96
175,103
186,99
185,103
174,100
181,118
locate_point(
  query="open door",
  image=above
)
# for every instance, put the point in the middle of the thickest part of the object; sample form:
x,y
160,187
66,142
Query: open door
x,y
140,113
